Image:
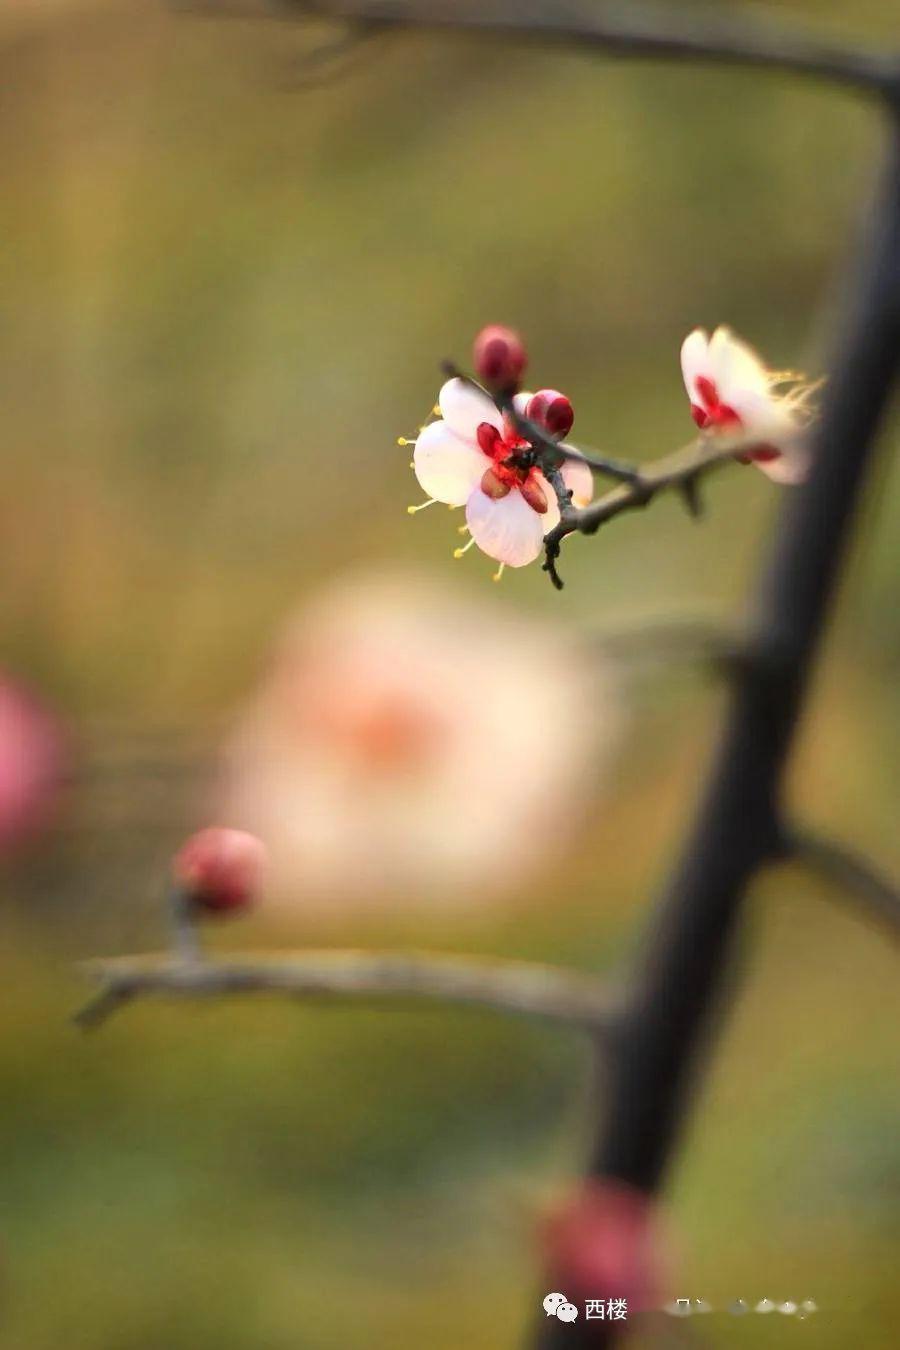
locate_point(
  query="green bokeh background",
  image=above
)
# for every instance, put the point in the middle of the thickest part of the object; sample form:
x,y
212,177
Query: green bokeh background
x,y
224,293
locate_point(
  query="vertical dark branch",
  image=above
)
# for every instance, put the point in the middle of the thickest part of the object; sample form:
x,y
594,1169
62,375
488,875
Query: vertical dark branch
x,y
691,942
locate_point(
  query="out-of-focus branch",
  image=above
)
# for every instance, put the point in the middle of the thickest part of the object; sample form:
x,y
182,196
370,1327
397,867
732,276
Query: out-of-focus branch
x,y
855,874
662,639
519,987
633,29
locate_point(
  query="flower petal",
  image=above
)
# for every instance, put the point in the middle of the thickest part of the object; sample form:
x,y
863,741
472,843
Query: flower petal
x,y
578,477
790,468
694,360
763,414
508,529
735,367
464,407
447,467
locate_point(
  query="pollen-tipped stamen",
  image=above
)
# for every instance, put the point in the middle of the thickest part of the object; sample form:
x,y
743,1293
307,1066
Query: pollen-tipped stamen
x,y
458,552
499,572
414,510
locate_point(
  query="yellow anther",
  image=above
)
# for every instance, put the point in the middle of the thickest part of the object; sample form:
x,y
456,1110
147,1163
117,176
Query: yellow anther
x,y
436,410
462,529
403,440
499,572
458,552
412,510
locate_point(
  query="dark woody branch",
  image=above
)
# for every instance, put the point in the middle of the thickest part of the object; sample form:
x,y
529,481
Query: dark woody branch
x,y
517,987
633,29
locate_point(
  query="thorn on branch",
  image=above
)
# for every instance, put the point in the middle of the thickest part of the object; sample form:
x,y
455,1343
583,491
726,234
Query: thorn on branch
x,y
690,491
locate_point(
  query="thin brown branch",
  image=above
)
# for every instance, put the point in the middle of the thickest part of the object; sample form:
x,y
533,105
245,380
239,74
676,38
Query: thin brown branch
x,y
518,987
680,470
852,872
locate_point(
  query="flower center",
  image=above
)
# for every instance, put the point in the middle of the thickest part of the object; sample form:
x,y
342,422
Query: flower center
x,y
501,478
710,411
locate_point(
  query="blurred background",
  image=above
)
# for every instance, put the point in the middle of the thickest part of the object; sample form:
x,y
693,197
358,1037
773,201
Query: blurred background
x,y
227,287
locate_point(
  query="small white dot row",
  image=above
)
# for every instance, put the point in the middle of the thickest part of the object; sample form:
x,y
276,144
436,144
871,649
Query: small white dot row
x,y
684,1307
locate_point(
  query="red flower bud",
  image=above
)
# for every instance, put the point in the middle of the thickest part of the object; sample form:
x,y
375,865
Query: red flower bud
x,y
219,869
500,357
551,409
606,1240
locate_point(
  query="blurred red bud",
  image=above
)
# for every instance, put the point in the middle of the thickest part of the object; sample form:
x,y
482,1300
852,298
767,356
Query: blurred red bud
x,y
551,409
606,1240
500,357
32,754
219,869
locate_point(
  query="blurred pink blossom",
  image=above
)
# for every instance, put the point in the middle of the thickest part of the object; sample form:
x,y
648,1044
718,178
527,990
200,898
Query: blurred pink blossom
x,y
408,744
31,762
605,1242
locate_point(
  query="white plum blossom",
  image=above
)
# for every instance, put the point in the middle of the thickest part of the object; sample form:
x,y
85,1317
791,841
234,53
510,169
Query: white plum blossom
x,y
730,389
462,459
396,752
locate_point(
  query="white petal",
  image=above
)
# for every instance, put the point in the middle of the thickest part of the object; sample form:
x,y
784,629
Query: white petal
x,y
578,477
762,414
735,367
507,530
694,360
791,468
448,467
521,402
464,408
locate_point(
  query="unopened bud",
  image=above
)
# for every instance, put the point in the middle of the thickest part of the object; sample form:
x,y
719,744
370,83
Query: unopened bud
x,y
551,409
219,869
500,357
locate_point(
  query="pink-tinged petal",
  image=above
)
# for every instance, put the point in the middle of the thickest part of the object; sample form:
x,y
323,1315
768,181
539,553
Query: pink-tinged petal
x,y
464,407
447,467
789,468
578,477
508,529
735,368
694,360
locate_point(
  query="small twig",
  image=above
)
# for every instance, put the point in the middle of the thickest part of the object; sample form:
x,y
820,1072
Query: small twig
x,y
851,871
519,987
686,465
